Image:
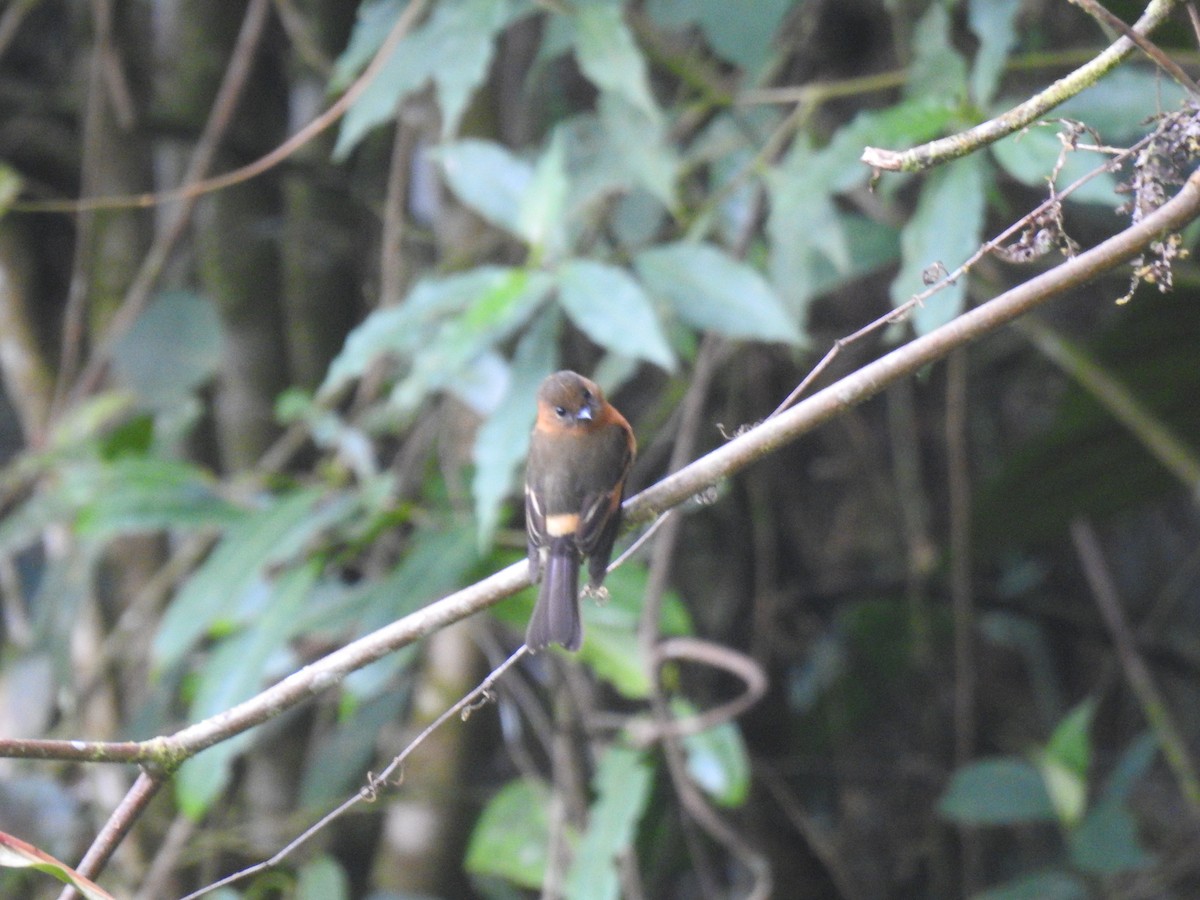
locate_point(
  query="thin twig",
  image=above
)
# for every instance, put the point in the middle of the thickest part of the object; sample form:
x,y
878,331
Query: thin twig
x,y
128,811
407,19
723,462
376,783
1148,47
1137,673
965,142
962,597
901,312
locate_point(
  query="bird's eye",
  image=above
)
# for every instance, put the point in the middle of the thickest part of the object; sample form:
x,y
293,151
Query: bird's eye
x,y
560,411
587,397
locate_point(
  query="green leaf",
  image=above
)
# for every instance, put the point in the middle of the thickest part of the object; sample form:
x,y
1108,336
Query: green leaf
x,y
401,331
233,672
440,329
717,760
609,58
1051,884
453,49
640,148
541,217
17,854
137,494
608,305
1067,791
911,121
503,439
1106,842
512,835
345,752
1133,764
372,22
502,301
10,187
993,23
622,786
1064,764
946,228
216,594
937,69
1030,157
172,348
610,646
744,39
1118,104
1070,746
710,290
436,563
322,879
489,179
1000,791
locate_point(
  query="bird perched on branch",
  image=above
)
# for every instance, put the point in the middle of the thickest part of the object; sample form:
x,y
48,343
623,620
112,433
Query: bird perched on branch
x,y
579,456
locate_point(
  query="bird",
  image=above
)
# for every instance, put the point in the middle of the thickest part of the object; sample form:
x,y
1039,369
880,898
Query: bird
x,y
580,454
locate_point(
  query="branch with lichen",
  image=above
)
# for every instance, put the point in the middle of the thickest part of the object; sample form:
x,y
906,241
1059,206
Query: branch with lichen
x,y
963,143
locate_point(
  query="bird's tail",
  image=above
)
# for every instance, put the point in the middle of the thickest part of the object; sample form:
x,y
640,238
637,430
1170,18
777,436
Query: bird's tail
x,y
555,618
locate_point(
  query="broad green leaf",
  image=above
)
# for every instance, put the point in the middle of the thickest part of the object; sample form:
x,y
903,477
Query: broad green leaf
x,y
400,331
613,152
504,300
512,835
1051,884
443,326
503,439
1117,106
945,229
436,563
717,760
1106,842
622,786
1031,155
453,49
608,305
937,69
805,229
235,671
609,58
1070,746
173,348
993,23
345,752
489,179
17,854
710,290
136,494
541,217
1067,791
215,596
1000,791
322,879
640,148
372,22
743,39
911,121
10,187
610,646
1130,768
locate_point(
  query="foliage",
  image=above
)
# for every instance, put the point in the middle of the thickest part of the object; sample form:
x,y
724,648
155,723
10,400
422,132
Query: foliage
x,y
646,192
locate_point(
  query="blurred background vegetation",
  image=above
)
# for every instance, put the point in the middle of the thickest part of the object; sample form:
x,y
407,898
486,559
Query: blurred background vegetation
x,y
242,428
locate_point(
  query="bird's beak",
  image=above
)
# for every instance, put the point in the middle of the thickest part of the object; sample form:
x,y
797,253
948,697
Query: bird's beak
x,y
584,413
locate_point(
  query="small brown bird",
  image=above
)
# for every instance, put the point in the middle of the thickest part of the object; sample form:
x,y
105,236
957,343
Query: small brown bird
x,y
580,454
